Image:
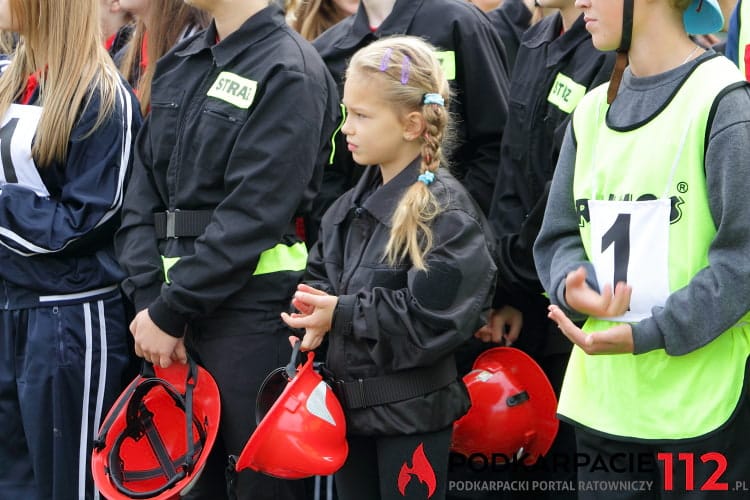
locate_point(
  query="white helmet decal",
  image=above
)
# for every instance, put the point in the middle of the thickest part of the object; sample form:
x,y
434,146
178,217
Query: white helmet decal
x,y
316,403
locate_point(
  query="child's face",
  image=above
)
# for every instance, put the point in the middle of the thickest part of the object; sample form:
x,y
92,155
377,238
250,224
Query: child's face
x,y
137,8
604,22
6,23
375,133
348,6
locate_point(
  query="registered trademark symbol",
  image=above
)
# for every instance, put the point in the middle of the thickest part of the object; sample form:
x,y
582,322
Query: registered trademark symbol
x,y
682,187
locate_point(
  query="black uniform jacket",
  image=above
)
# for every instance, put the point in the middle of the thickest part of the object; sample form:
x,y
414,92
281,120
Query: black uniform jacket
x,y
474,55
550,72
242,129
391,319
511,20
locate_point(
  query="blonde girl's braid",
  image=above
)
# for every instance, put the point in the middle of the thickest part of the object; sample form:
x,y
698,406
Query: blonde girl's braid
x,y
412,80
436,121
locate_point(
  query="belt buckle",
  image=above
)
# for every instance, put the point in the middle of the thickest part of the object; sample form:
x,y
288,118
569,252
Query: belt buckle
x,y
171,223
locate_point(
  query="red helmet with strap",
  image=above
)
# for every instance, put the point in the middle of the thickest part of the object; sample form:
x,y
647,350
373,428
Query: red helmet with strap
x,y
301,426
155,440
512,408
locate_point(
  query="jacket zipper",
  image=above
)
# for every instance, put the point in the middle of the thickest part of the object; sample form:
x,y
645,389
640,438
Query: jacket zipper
x,y
186,111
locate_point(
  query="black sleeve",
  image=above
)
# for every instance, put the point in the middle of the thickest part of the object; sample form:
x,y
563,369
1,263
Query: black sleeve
x,y
437,311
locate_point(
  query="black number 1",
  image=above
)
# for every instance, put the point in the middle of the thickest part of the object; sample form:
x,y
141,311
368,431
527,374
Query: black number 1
x,y
6,135
619,234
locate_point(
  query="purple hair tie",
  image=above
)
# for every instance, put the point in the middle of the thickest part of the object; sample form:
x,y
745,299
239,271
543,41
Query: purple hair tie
x,y
386,59
405,69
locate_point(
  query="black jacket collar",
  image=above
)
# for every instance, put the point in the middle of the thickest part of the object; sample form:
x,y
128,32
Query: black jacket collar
x,y
397,23
383,199
254,29
547,31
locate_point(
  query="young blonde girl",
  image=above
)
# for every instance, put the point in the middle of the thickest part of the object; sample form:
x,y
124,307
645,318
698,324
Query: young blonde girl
x,y
399,276
67,126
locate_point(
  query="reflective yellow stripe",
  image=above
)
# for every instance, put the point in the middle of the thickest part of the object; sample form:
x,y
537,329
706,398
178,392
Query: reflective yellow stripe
x,y
282,258
335,133
279,258
167,263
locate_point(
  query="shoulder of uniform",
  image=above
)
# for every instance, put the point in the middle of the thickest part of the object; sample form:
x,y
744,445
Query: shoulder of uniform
x,y
451,194
326,40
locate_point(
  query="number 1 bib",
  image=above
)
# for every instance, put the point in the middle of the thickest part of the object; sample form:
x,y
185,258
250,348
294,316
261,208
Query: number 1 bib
x,y
17,133
630,243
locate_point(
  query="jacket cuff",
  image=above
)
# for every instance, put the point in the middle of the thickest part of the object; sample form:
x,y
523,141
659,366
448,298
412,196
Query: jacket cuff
x,y
343,314
144,297
645,339
166,319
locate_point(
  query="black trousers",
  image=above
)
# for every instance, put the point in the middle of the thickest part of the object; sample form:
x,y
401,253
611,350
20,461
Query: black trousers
x,y
411,467
717,466
239,364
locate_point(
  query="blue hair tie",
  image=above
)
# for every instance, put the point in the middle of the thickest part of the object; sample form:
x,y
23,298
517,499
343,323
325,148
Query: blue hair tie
x,y
433,99
426,177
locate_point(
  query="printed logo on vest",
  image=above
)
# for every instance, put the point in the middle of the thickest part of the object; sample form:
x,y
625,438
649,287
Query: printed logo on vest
x,y
234,89
675,214
566,93
420,469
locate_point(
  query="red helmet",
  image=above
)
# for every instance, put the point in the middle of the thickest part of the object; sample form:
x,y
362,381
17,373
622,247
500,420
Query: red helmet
x,y
512,408
144,449
301,430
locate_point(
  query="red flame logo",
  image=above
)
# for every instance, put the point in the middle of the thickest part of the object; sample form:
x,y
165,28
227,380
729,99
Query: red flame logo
x,y
421,469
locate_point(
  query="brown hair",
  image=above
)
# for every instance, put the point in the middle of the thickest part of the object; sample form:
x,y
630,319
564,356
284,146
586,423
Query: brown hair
x,y
407,69
168,19
313,17
48,30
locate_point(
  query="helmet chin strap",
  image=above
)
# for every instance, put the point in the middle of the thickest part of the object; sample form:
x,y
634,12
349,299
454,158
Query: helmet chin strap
x,y
622,51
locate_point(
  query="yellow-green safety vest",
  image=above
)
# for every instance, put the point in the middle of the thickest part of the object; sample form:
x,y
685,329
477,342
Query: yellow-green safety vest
x,y
655,396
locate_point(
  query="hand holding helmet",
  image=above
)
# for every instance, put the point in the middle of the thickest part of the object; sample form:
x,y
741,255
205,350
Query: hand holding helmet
x,y
301,426
316,315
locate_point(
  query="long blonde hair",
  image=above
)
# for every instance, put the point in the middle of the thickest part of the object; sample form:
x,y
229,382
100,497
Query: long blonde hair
x,y
61,41
168,19
407,69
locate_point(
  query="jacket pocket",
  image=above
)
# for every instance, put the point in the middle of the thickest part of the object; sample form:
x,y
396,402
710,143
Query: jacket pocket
x,y
220,111
165,118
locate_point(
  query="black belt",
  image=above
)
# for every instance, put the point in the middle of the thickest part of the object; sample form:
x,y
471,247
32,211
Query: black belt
x,y
181,223
188,223
394,387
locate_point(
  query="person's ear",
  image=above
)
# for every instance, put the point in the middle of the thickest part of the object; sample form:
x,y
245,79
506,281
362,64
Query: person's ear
x,y
414,125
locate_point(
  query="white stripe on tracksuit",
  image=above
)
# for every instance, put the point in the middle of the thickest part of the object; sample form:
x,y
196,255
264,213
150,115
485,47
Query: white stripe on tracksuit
x,y
83,453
